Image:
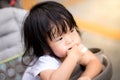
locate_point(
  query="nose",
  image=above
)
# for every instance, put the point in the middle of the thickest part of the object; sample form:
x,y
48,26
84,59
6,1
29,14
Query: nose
x,y
68,40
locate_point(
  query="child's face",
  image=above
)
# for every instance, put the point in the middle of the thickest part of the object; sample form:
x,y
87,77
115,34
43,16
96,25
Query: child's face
x,y
61,44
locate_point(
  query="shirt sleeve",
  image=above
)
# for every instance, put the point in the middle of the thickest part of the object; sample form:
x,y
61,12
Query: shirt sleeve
x,y
44,63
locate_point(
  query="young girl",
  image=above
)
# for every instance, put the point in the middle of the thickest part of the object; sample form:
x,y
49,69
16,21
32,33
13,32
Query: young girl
x,y
53,43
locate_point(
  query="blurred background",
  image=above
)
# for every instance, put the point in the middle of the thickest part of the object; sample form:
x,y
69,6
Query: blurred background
x,y
99,21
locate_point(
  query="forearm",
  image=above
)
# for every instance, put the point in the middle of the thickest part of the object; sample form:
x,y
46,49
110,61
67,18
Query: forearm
x,y
92,69
65,70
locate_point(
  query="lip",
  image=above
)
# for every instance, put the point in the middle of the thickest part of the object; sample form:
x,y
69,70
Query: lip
x,y
72,46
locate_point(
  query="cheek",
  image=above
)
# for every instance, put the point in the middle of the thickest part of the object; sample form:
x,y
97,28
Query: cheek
x,y
77,38
60,50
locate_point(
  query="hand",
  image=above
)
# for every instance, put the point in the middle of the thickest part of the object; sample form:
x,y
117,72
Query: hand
x,y
75,52
84,78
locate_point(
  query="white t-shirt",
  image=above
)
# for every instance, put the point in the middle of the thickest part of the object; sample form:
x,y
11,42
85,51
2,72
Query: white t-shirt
x,y
44,62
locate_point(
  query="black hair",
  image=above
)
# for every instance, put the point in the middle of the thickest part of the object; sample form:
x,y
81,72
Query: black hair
x,y
39,25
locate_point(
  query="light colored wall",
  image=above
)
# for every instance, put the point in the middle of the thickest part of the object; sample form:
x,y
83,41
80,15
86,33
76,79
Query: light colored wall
x,y
27,4
98,16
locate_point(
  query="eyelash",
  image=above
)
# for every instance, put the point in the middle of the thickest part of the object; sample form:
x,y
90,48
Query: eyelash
x,y
71,30
60,38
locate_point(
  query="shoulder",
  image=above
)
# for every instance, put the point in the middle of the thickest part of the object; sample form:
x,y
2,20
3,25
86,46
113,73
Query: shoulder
x,y
48,59
47,62
43,63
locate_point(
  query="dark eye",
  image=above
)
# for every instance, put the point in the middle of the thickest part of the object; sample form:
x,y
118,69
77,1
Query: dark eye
x,y
71,30
60,38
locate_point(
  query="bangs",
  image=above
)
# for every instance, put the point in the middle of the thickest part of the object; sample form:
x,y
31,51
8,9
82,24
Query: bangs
x,y
60,27
52,20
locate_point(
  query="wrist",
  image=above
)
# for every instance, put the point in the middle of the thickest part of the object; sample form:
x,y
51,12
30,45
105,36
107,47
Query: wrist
x,y
83,48
73,57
